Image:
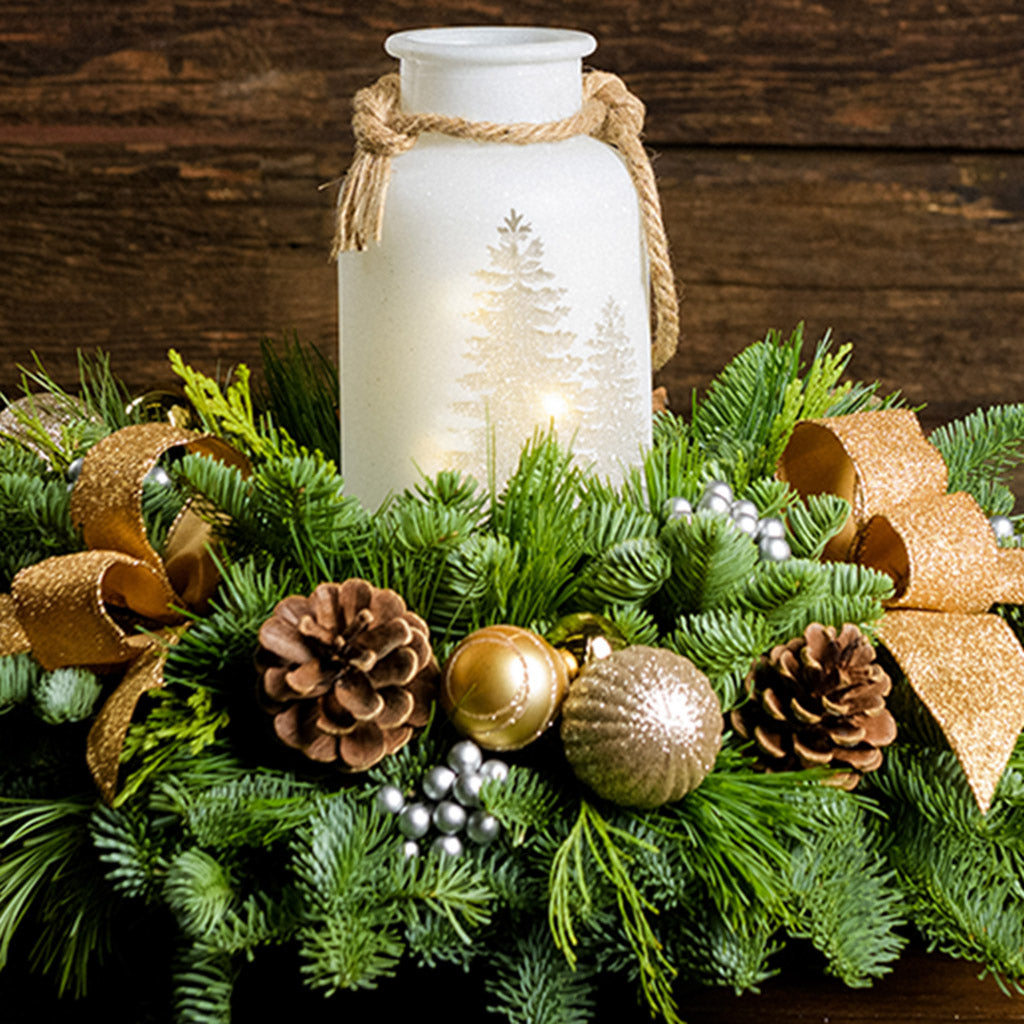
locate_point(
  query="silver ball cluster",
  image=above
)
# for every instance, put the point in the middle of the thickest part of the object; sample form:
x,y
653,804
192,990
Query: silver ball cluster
x,y
769,533
449,805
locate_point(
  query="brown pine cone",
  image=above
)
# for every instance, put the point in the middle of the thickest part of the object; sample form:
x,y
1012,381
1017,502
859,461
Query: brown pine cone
x,y
348,673
819,700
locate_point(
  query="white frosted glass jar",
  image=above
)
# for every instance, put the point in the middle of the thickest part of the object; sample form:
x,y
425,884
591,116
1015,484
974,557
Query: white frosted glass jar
x,y
509,288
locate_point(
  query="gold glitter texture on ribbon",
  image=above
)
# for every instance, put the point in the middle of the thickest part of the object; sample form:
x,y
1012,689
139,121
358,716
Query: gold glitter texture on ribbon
x,y
107,501
947,569
62,605
943,656
872,459
12,637
942,555
65,606
106,737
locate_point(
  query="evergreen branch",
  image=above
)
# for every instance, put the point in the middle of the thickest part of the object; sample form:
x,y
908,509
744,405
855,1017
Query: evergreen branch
x,y
736,831
845,899
301,393
203,983
42,869
714,951
227,635
812,522
199,890
176,725
532,986
65,695
673,468
630,571
453,889
593,838
253,811
636,624
35,521
721,642
101,406
523,802
981,450
135,860
771,496
711,561
18,674
605,520
964,904
229,412
349,950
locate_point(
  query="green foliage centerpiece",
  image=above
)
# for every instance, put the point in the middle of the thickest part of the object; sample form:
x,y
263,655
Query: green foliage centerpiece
x,y
232,847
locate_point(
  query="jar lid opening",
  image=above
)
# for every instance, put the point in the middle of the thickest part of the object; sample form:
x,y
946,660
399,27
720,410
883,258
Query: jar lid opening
x,y
487,44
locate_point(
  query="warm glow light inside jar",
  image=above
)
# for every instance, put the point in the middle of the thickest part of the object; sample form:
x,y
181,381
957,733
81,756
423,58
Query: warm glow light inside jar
x,y
555,407
508,291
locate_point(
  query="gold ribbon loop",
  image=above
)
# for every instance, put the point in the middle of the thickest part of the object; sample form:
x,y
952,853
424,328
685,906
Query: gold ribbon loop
x,y
947,569
968,671
62,606
107,499
67,609
872,459
108,732
942,555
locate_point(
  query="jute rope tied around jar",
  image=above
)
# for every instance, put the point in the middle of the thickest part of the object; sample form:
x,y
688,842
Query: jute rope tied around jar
x,y
609,113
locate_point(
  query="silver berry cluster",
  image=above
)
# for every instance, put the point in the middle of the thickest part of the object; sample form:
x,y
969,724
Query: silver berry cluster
x,y
1003,528
768,533
450,803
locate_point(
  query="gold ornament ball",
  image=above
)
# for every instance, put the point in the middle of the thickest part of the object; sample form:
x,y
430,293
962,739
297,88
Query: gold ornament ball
x,y
503,686
641,727
160,406
586,636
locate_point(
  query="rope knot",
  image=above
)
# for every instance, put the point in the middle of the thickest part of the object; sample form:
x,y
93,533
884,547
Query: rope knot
x,y
375,119
623,109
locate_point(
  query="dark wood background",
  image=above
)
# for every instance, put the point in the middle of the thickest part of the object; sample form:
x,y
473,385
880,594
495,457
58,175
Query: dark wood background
x,y
858,165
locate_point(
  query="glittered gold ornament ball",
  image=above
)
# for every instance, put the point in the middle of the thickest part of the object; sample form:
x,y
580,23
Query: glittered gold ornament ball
x,y
49,413
641,727
503,686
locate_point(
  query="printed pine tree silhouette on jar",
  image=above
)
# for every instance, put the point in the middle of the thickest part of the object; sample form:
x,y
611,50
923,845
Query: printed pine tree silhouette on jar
x,y
525,371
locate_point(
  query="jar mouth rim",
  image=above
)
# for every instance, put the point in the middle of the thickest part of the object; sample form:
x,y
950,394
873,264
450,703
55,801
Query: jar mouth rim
x,y
491,44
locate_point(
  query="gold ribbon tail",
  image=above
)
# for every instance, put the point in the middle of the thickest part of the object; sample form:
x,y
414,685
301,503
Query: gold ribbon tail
x,y
981,723
108,732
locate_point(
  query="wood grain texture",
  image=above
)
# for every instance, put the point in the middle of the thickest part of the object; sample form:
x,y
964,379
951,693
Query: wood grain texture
x,y
925,73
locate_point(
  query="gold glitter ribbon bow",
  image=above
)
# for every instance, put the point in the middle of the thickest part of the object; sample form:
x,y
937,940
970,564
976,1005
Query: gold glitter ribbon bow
x,y
966,666
68,610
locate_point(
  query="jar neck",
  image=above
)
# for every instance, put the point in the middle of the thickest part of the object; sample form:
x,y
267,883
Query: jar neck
x,y
500,75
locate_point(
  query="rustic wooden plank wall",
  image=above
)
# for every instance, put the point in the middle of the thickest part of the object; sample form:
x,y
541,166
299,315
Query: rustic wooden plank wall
x,y
855,163
858,165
